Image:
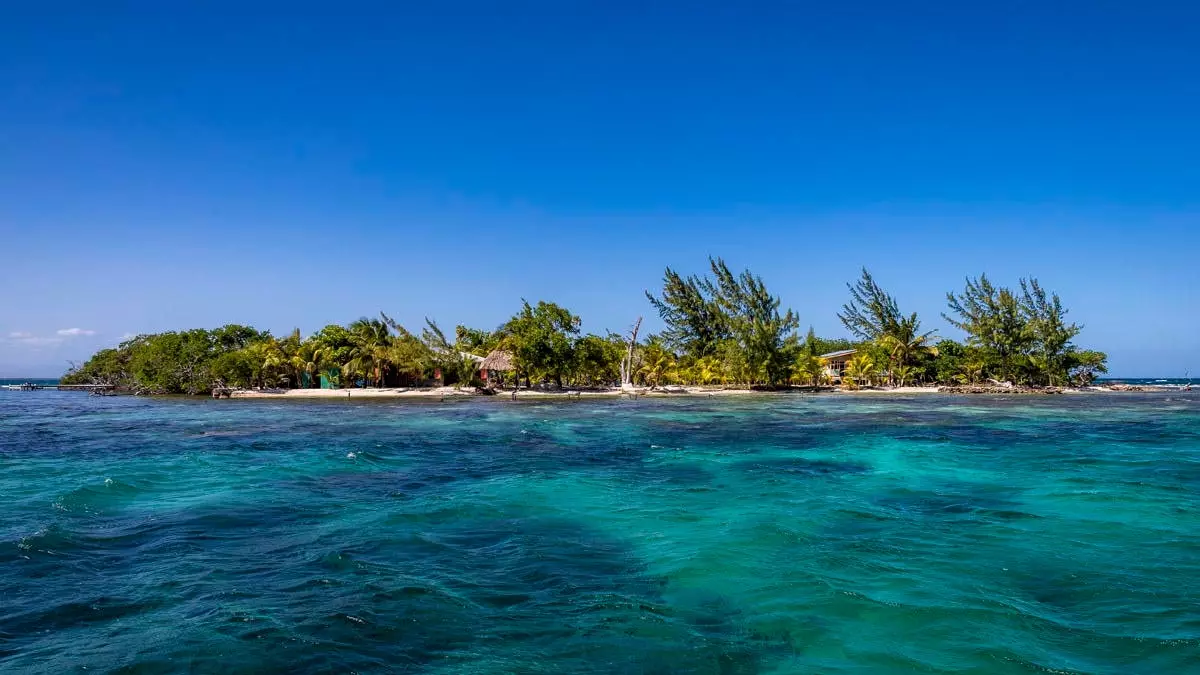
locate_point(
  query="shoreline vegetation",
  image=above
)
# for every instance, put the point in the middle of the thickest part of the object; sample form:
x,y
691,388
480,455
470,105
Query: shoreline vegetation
x,y
723,333
444,393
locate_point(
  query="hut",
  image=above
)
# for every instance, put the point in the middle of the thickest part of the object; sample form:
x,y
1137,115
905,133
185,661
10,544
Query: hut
x,y
498,361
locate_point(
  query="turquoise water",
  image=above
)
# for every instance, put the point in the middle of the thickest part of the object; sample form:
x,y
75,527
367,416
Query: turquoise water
x,y
789,534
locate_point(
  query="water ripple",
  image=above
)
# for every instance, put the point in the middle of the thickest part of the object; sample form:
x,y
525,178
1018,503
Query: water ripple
x,y
784,534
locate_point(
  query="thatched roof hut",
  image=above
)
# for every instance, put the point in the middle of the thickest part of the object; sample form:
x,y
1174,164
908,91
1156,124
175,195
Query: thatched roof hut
x,y
498,360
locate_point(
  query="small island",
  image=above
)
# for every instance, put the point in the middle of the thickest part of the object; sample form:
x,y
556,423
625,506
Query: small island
x,y
724,333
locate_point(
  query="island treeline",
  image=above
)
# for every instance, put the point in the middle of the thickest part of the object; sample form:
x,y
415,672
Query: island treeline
x,y
720,328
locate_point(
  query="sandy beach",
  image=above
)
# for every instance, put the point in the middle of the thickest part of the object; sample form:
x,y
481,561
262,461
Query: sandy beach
x,y
451,392
442,393
672,391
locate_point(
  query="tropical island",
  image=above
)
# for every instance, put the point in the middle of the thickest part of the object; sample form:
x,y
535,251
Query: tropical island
x,y
722,332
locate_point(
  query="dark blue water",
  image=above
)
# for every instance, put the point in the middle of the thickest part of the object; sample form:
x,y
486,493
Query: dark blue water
x,y
1163,382
42,381
830,534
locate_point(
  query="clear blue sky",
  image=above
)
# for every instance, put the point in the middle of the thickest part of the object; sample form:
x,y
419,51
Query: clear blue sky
x,y
286,166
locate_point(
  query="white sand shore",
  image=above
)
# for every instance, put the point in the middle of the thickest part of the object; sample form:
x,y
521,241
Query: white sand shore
x,y
441,393
892,390
451,392
369,392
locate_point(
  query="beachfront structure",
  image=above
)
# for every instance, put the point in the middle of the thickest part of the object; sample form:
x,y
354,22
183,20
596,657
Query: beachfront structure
x,y
497,361
835,363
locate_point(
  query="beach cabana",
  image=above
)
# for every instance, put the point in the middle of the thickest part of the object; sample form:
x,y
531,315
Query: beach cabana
x,y
498,361
835,363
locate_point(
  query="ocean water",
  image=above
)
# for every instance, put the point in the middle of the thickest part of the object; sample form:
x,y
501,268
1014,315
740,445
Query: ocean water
x,y
1158,382
774,534
28,380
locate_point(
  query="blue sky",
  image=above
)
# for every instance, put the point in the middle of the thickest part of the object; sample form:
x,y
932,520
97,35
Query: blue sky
x,y
164,168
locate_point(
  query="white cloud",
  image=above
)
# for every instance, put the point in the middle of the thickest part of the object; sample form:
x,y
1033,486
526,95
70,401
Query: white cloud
x,y
27,339
128,336
31,340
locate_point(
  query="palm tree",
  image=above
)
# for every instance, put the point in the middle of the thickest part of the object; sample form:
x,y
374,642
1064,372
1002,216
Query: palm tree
x,y
310,358
658,363
903,373
277,357
409,356
369,355
859,371
970,372
809,369
904,342
707,370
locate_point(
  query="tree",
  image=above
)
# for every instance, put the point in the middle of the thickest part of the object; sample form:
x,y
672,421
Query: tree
x,y
809,369
310,359
695,323
449,357
706,370
971,368
945,366
766,337
993,320
658,362
337,342
279,358
175,362
107,366
860,370
476,341
905,344
627,359
871,313
1049,332
1084,366
597,360
370,344
733,364
705,314
540,339
234,336
874,315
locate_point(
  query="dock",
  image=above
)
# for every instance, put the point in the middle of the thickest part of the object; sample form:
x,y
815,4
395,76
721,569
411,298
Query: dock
x,y
30,386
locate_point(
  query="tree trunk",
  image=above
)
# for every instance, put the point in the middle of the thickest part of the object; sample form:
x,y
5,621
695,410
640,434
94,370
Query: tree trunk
x,y
627,362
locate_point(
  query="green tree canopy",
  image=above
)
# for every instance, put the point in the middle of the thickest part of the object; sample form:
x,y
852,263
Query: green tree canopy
x,y
1048,331
541,340
597,359
695,322
704,314
871,312
992,319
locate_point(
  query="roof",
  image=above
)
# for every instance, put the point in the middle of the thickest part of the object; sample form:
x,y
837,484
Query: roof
x,y
834,355
498,360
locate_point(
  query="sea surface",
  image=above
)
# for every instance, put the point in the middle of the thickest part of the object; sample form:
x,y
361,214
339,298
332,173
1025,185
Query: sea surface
x,y
41,381
1158,382
768,534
